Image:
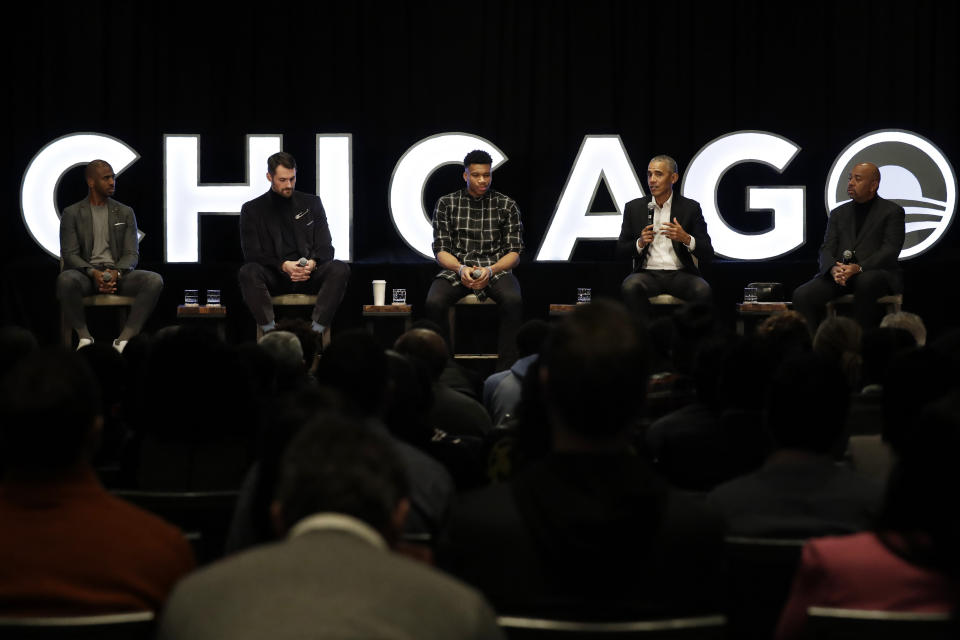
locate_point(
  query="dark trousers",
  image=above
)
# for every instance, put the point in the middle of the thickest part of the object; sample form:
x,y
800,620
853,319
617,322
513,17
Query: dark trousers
x,y
505,291
638,287
143,286
811,298
328,283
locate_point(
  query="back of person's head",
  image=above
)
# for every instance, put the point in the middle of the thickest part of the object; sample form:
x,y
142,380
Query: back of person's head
x,y
15,344
531,336
914,379
336,465
807,404
194,387
784,335
922,487
49,412
285,348
595,366
838,340
356,365
309,339
909,321
878,349
410,399
426,346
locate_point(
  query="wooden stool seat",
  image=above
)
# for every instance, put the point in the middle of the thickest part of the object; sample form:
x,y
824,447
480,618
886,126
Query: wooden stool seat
x,y
121,303
296,300
667,299
892,303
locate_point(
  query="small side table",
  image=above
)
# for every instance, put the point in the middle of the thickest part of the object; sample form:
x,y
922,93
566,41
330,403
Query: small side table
x,y
213,314
560,310
758,312
375,315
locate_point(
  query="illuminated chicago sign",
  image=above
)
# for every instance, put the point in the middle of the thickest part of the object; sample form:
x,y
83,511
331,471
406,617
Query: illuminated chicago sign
x,y
915,173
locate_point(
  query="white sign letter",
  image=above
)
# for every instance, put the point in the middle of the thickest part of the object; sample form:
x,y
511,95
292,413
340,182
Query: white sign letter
x,y
38,193
410,178
185,199
335,188
600,158
787,203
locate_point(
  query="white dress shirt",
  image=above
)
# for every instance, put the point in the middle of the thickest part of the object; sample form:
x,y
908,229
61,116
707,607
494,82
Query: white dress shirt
x,y
661,254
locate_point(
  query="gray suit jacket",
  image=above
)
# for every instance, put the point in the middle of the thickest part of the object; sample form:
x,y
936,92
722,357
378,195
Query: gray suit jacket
x,y
76,235
324,584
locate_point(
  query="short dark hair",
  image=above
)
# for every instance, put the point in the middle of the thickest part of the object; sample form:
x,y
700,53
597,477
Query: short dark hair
x,y
91,170
48,404
356,365
807,403
426,346
596,362
477,156
338,465
280,159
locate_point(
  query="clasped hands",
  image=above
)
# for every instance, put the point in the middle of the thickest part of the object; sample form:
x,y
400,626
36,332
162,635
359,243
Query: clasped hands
x,y
466,277
298,273
106,286
843,272
673,230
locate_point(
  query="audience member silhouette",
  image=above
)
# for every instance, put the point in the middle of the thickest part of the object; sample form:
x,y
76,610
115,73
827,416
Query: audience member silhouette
x,y
800,492
341,501
589,530
452,411
501,390
67,547
910,562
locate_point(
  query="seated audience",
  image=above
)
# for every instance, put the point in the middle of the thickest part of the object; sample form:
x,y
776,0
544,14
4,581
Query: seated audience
x,y
838,340
909,321
501,390
589,530
800,492
67,547
341,502
356,366
910,561
452,411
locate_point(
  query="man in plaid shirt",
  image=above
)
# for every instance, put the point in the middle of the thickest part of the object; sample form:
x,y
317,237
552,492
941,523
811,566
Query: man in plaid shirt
x,y
477,238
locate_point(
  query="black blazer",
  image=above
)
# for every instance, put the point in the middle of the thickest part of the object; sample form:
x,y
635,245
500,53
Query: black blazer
x,y
688,214
878,244
261,237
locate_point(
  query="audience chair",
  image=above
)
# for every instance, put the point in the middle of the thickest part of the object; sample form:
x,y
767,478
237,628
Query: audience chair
x,y
121,304
759,576
825,623
119,626
204,516
699,628
892,304
468,300
296,300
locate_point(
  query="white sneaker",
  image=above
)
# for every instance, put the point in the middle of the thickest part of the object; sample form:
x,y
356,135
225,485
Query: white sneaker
x,y
119,345
84,342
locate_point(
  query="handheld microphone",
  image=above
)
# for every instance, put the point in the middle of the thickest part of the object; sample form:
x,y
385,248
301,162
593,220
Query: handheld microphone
x,y
476,274
650,207
107,276
849,257
302,262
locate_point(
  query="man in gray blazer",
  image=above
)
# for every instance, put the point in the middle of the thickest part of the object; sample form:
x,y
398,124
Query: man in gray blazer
x,y
99,249
870,231
341,500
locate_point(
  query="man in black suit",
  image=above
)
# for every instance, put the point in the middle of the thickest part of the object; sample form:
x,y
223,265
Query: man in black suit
x,y
667,238
872,230
277,230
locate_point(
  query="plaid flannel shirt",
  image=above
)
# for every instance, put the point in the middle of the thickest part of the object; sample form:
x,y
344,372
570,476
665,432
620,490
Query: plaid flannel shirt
x,y
478,231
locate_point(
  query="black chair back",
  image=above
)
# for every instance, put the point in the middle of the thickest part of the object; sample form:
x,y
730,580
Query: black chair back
x,y
699,628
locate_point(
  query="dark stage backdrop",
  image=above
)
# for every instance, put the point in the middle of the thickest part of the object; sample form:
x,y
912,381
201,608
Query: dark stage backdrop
x,y
532,77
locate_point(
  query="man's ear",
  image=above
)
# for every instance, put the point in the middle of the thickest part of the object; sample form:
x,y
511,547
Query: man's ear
x,y
276,519
399,516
